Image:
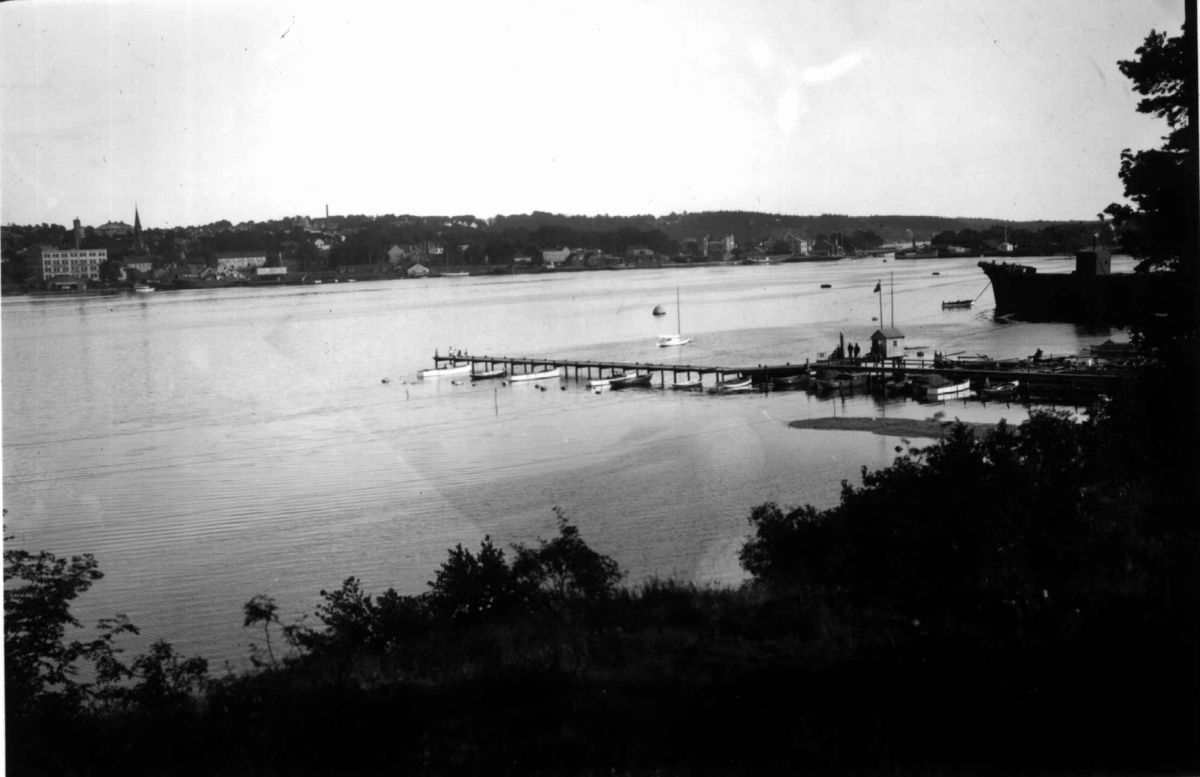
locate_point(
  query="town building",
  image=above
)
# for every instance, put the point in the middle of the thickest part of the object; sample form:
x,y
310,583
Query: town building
x,y
44,262
240,260
556,257
114,229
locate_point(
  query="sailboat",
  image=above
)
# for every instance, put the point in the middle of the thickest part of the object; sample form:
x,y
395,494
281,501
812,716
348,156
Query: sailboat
x,y
665,341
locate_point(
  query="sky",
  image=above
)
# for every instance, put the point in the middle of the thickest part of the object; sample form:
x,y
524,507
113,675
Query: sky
x,y
199,111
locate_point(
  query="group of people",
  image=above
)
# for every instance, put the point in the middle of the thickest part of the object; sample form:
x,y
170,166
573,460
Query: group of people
x,y
849,352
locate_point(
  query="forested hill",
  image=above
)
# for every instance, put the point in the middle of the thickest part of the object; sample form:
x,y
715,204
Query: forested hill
x,y
744,225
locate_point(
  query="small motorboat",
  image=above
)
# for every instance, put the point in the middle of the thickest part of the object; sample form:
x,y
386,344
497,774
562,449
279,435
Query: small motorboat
x,y
630,381
688,385
489,374
957,303
665,341
1003,391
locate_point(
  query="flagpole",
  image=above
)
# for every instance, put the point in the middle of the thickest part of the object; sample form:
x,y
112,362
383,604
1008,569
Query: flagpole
x,y
879,286
893,284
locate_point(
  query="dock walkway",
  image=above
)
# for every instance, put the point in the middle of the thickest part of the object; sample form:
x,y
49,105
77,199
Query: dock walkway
x,y
1052,376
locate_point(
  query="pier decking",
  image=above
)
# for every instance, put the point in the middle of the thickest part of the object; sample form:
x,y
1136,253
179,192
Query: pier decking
x,y
1053,376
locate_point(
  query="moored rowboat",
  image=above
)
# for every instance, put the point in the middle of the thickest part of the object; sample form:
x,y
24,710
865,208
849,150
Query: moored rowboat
x,y
739,383
627,381
553,372
438,372
936,389
489,374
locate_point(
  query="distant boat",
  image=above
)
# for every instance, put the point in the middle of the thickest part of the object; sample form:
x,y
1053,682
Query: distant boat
x,y
658,310
629,381
455,274
554,372
489,374
142,288
939,386
439,372
665,341
841,381
790,381
740,383
926,252
688,385
1003,391
957,303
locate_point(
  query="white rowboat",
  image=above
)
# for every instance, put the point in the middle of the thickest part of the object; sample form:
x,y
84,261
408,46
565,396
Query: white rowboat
x,y
438,372
554,372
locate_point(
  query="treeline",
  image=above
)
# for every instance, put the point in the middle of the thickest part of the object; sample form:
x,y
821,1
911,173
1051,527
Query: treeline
x,y
890,228
1025,600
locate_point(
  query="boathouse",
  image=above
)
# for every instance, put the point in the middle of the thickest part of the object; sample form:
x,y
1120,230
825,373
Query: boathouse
x,y
885,343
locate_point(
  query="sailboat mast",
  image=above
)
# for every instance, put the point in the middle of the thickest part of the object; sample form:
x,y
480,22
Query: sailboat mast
x,y
678,313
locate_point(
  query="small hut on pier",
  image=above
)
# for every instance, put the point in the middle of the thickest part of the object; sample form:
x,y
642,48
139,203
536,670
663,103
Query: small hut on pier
x,y
886,343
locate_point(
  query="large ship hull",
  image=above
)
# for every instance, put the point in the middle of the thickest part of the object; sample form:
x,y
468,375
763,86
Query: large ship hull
x,y
1120,300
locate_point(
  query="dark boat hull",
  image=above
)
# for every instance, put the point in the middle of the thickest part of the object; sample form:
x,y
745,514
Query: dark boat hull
x,y
1120,299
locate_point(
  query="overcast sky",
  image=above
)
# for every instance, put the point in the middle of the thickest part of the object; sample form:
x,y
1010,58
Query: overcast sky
x,y
200,111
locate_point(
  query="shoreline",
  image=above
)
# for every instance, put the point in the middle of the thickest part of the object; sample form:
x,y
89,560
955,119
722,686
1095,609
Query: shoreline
x,y
889,427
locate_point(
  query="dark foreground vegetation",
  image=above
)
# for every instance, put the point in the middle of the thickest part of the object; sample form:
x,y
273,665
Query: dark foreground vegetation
x,y
1022,600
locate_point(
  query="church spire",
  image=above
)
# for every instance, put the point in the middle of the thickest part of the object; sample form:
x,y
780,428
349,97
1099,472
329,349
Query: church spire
x,y
138,244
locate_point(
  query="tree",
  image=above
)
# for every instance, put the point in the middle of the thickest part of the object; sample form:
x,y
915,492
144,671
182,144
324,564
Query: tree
x,y
1053,514
470,587
40,663
262,609
1160,229
565,568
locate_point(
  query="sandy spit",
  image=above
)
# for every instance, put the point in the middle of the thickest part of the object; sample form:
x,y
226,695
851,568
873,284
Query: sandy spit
x,y
891,427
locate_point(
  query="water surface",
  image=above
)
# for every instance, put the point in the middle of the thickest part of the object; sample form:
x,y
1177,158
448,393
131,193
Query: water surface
x,y
210,445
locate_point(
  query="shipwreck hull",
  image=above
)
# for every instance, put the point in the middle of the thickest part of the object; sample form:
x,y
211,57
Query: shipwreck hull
x,y
1119,300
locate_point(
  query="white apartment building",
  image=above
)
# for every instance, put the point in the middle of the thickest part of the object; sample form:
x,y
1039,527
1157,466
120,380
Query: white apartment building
x,y
45,262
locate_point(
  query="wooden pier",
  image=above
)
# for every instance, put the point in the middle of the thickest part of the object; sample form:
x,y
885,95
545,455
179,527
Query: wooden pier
x,y
1045,378
587,370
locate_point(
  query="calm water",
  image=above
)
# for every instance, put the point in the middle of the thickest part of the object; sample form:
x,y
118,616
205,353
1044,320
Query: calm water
x,y
207,446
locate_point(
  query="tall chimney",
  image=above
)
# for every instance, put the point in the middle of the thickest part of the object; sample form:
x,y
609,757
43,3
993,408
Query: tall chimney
x,y
326,210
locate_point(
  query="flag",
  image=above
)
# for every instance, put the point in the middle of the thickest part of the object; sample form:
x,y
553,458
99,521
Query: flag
x,y
878,287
